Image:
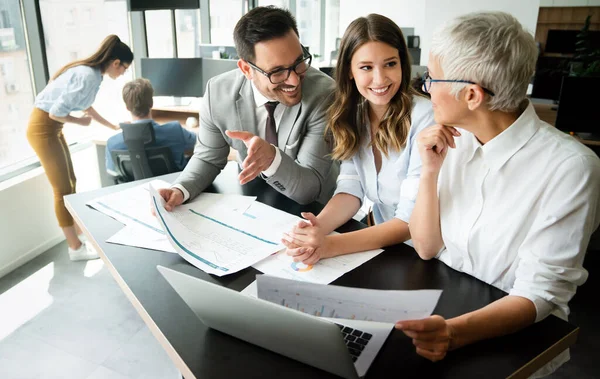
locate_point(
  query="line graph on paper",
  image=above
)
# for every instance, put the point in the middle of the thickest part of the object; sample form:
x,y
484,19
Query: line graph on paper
x,y
216,242
339,307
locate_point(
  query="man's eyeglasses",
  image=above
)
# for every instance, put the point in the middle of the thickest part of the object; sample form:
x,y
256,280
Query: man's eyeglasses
x,y
282,74
426,80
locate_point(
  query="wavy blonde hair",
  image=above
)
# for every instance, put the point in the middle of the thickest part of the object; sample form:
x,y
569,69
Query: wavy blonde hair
x,y
348,114
110,49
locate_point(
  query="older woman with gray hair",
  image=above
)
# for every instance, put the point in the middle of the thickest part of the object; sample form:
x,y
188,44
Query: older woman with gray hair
x,y
503,196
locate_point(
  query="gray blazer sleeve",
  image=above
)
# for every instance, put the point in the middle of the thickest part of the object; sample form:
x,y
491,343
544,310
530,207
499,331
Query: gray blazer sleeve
x,y
311,176
210,153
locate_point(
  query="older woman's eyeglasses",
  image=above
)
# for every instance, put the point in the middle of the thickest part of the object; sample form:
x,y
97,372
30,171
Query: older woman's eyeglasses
x,y
426,80
282,74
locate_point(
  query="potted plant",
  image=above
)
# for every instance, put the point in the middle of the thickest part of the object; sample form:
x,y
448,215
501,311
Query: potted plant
x,y
586,61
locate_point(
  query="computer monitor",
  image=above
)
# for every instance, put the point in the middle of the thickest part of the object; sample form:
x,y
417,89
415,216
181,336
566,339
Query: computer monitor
x,y
561,41
565,41
548,77
179,77
143,5
327,70
183,77
214,67
578,109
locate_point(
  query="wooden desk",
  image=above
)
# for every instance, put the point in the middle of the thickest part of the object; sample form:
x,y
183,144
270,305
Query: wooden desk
x,y
200,352
174,113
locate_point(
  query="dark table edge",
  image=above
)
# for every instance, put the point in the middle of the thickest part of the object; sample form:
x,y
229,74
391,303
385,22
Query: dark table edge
x,y
546,356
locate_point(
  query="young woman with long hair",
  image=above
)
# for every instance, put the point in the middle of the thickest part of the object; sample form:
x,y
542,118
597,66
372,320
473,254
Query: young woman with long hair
x,y
373,121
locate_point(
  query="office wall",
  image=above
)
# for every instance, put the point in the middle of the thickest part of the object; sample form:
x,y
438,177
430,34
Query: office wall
x,y
28,226
405,13
426,15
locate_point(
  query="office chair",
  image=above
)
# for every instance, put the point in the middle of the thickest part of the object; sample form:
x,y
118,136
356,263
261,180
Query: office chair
x,y
141,161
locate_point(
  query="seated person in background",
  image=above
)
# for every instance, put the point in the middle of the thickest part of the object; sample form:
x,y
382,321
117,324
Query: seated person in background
x,y
374,121
137,96
271,110
503,196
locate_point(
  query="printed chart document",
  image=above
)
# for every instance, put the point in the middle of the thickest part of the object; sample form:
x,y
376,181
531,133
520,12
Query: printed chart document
x,y
346,302
132,208
324,271
217,241
140,236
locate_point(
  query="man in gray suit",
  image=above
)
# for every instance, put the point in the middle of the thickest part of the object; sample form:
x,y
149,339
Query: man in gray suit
x,y
272,111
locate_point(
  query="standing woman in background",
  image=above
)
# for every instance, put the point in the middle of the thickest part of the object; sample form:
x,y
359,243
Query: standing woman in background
x,y
72,88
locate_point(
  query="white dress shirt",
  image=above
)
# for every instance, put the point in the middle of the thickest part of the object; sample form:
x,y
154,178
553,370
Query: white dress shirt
x,y
518,213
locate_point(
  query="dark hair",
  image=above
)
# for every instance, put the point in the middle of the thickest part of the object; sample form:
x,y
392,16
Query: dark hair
x,y
110,49
261,24
349,112
137,95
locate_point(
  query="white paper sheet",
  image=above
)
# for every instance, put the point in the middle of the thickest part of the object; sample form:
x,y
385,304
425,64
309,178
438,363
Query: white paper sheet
x,y
140,236
206,239
324,271
346,302
132,207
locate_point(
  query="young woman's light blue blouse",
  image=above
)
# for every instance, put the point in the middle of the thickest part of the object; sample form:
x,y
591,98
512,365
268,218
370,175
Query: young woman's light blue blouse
x,y
74,90
394,190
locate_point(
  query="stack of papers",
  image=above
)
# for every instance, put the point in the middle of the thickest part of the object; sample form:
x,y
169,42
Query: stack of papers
x,y
218,233
133,206
219,240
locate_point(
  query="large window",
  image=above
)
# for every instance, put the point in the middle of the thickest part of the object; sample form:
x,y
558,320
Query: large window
x,y
308,17
16,93
224,14
278,3
74,29
159,34
188,32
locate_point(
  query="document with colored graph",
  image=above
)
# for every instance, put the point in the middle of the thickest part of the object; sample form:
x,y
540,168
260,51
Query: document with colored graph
x,y
222,241
388,306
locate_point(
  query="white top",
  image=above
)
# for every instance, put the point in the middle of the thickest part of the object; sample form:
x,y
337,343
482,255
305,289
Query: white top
x,y
518,212
73,90
394,190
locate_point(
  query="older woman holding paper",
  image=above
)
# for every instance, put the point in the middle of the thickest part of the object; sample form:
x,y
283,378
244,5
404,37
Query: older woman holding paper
x,y
503,196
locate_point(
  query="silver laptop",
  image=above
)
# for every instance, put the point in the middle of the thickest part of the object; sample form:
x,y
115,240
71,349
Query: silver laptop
x,y
343,347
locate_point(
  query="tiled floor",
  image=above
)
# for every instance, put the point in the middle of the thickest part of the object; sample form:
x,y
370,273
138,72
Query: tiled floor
x,y
62,319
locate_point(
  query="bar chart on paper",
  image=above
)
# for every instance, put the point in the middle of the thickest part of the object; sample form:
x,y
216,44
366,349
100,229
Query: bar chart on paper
x,y
322,310
347,303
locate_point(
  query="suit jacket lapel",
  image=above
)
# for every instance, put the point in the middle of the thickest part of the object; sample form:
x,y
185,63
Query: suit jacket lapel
x,y
245,105
290,114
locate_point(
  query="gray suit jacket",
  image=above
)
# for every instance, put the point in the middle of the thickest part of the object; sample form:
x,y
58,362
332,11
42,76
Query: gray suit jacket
x,y
306,172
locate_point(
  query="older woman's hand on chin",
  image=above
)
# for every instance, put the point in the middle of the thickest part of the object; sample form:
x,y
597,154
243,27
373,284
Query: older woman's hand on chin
x,y
433,143
432,336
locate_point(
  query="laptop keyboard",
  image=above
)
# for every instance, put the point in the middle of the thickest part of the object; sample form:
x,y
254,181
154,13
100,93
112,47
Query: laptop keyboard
x,y
355,339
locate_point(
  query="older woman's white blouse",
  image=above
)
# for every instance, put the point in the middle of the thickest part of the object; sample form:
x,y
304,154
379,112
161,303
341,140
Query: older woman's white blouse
x,y
393,191
518,211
